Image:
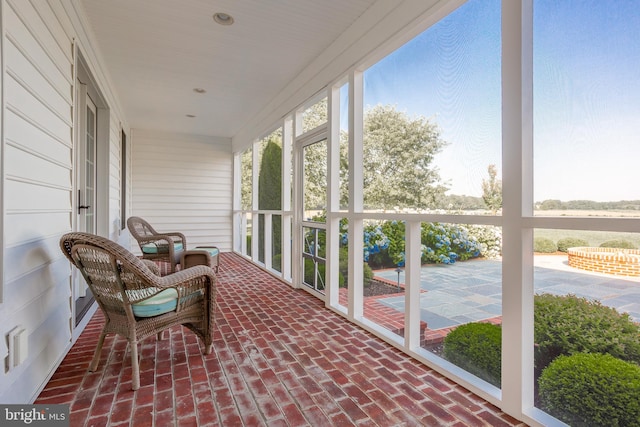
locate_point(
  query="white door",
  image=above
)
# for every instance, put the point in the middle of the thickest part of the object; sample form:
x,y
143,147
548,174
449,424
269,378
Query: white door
x,y
311,202
86,152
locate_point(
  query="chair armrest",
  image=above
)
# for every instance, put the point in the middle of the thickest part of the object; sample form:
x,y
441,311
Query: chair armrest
x,y
190,280
156,237
180,235
151,266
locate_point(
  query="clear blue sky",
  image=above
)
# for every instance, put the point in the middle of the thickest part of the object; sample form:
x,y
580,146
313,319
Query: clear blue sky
x,y
586,95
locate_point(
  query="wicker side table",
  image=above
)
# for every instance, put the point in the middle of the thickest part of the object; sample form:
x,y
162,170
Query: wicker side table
x,y
201,255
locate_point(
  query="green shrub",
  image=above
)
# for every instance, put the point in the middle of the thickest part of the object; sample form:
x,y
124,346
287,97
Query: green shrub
x,y
592,389
544,245
619,243
276,262
477,348
566,324
343,275
381,259
367,273
309,272
570,242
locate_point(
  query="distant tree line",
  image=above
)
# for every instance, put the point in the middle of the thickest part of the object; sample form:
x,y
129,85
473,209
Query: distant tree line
x,y
457,202
461,202
553,204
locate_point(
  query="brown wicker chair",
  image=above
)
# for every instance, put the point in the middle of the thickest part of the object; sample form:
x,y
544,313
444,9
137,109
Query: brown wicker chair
x,y
135,300
157,246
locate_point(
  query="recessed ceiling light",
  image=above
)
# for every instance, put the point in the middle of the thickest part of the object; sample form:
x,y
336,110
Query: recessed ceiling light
x,y
223,18
191,116
199,90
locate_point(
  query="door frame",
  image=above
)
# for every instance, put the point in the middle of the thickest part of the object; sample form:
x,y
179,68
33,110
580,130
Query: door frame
x,y
101,212
314,136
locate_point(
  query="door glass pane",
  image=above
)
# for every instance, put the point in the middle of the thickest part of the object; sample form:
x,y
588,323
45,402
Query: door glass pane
x,y
314,258
87,215
315,181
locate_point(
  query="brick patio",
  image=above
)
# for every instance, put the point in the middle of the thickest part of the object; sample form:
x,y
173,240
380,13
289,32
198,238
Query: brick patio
x,y
280,359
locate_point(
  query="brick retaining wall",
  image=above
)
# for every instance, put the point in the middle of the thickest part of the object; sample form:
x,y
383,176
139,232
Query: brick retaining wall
x,y
616,261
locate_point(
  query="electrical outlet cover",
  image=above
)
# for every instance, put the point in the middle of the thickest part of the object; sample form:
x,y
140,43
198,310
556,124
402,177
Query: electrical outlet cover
x,y
22,347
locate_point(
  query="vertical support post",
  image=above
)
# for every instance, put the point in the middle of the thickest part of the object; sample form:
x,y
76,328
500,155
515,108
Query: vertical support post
x,y
413,256
297,205
332,272
254,202
517,166
237,197
287,164
356,226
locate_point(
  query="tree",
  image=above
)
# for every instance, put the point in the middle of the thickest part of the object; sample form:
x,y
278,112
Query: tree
x,y
315,176
270,193
315,159
246,162
398,155
492,190
270,177
461,202
315,115
551,204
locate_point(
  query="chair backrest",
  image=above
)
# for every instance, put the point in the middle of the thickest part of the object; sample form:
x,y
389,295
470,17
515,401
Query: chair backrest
x,y
139,228
116,277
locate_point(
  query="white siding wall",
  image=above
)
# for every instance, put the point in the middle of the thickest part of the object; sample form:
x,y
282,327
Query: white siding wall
x,y
183,183
37,166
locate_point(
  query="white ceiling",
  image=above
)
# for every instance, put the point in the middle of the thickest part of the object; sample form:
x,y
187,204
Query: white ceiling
x,y
158,51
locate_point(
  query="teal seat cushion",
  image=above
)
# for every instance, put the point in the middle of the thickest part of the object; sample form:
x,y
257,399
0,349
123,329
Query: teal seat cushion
x,y
213,251
162,302
153,248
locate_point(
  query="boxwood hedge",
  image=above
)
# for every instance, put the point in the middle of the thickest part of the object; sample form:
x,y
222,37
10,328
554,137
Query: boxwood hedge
x,y
477,348
589,389
567,324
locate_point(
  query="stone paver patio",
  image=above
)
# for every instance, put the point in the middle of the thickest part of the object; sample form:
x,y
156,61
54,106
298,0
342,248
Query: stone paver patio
x,y
471,291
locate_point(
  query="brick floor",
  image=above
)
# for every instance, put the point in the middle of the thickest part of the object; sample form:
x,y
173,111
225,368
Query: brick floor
x,y
280,359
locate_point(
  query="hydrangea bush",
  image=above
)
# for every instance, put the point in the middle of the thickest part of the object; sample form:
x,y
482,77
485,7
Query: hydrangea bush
x,y
489,239
448,243
384,242
375,241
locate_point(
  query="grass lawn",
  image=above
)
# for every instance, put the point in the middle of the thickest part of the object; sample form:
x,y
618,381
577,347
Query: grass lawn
x,y
595,238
